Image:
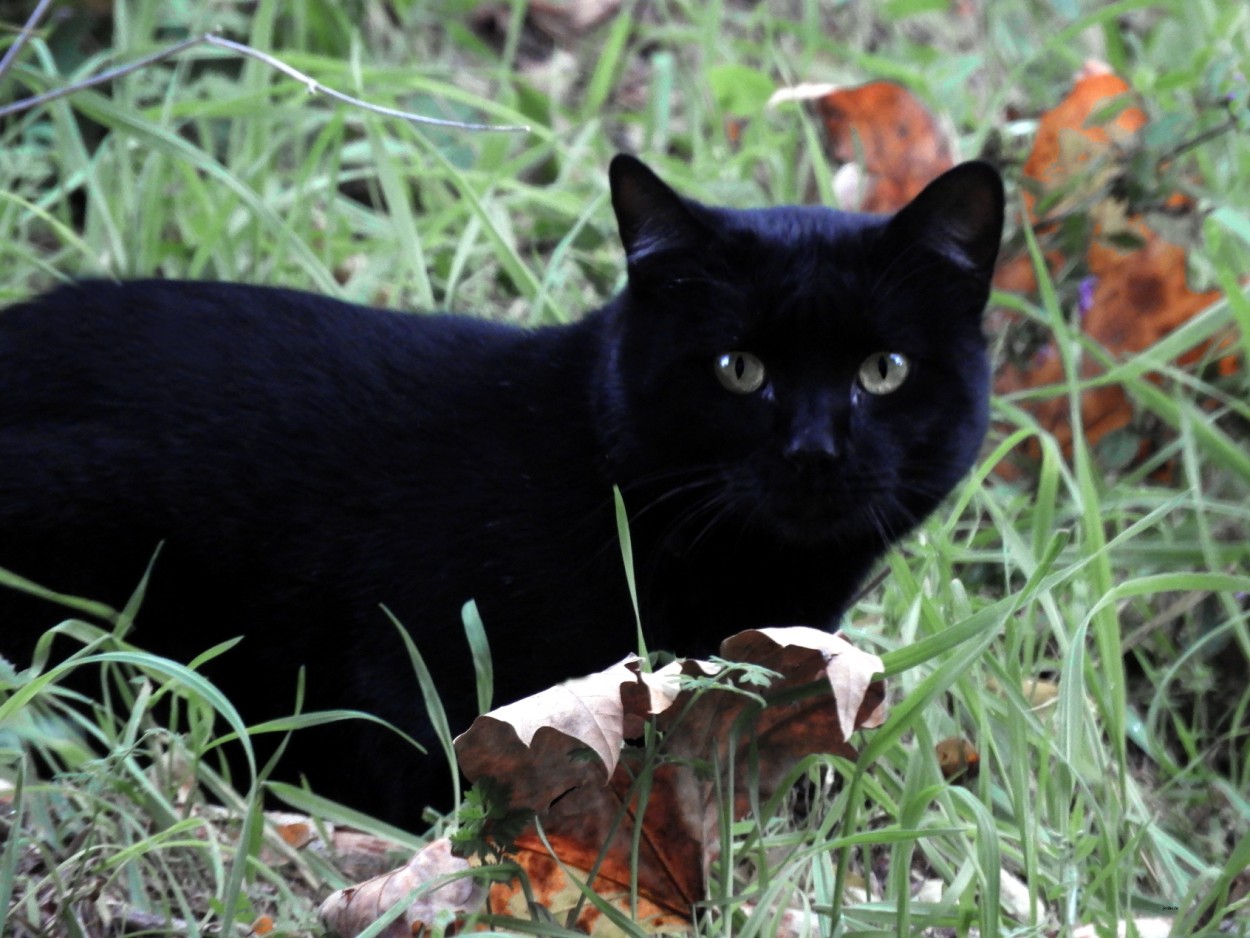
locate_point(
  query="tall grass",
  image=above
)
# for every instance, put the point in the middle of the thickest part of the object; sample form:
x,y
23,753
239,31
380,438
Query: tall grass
x,y
1124,796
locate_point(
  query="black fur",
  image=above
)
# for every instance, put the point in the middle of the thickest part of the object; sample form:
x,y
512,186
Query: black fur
x,y
303,460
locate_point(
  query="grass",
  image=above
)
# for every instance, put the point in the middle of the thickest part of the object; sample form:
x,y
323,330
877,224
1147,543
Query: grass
x,y
1124,797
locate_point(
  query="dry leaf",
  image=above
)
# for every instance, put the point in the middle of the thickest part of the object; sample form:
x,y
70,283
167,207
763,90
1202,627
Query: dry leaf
x,y
593,825
352,910
564,754
1133,296
958,759
893,140
550,879
1157,927
1068,139
565,737
1013,896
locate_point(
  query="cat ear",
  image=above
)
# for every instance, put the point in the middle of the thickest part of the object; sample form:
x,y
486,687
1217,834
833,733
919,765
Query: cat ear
x,y
651,217
959,215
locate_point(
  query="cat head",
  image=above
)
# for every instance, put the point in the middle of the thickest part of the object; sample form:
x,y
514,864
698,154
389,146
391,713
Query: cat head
x,y
817,375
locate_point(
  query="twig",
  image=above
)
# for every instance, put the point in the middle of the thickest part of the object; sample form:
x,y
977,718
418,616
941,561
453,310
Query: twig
x,y
27,103
27,31
1198,139
313,86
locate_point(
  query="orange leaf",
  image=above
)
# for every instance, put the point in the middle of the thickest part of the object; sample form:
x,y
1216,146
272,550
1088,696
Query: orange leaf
x,y
958,759
593,825
551,879
1133,296
883,128
1067,141
563,753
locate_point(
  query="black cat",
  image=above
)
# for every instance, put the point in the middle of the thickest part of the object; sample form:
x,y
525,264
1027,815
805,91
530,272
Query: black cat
x,y
779,394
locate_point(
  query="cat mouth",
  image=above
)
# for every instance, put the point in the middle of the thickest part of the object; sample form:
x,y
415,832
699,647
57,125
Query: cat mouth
x,y
812,521
812,510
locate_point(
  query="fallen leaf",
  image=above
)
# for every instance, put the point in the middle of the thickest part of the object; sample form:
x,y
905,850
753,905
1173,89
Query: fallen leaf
x,y
1136,290
1042,695
557,882
350,911
644,820
889,145
1069,139
891,135
569,736
1152,927
958,759
1013,896
593,825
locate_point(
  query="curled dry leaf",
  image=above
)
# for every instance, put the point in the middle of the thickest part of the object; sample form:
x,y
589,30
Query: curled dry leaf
x,y
565,737
564,754
352,910
592,826
805,655
678,824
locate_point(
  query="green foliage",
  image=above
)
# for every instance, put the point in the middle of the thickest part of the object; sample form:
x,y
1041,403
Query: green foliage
x,y
1124,798
484,828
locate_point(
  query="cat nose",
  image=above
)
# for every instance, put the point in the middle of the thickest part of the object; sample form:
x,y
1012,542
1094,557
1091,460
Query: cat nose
x,y
813,444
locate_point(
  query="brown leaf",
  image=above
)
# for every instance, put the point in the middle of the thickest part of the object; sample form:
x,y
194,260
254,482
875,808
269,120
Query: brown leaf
x,y
1069,138
803,655
1133,296
886,131
591,825
350,911
565,737
563,753
958,759
550,878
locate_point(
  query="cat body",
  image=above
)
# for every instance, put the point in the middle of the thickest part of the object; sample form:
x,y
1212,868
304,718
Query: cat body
x,y
302,462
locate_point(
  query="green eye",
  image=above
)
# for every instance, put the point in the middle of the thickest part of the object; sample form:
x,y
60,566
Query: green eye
x,y
883,372
740,372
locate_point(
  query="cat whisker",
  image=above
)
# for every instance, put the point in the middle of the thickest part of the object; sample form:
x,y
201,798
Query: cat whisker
x,y
675,491
723,504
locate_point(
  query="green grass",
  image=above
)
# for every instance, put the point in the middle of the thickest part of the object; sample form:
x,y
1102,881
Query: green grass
x,y
1127,797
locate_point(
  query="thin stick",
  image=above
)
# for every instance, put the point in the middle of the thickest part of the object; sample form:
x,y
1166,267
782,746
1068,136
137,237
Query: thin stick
x,y
27,31
27,103
313,86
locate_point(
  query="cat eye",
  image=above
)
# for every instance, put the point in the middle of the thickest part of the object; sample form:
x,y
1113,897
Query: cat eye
x,y
740,372
883,372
